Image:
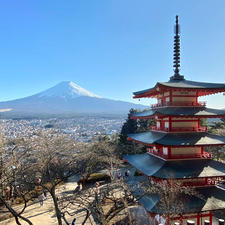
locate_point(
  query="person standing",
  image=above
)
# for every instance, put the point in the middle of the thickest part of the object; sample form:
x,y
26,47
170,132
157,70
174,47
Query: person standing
x,y
74,221
7,192
45,193
127,173
41,198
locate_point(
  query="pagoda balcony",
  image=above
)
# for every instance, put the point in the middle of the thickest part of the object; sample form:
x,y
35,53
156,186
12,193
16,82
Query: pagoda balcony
x,y
179,129
197,182
204,155
175,104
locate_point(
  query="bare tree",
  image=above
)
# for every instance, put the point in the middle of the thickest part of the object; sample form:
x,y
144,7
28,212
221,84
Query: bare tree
x,y
12,154
104,204
171,194
102,155
218,152
54,159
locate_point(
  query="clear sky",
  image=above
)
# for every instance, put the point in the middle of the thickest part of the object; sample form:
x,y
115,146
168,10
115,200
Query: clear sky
x,y
109,47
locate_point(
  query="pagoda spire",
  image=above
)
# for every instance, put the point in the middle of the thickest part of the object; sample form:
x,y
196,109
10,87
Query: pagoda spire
x,y
176,55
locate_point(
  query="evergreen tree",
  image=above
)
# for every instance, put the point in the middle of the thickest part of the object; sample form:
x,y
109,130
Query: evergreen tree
x,y
129,127
132,126
203,122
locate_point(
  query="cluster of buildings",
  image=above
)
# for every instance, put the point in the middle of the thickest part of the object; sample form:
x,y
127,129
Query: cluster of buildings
x,y
82,129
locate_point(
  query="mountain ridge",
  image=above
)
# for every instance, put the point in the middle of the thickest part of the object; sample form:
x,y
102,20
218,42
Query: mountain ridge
x,y
67,97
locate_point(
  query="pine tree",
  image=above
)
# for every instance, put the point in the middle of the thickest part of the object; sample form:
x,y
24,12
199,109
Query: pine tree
x,y
132,126
129,127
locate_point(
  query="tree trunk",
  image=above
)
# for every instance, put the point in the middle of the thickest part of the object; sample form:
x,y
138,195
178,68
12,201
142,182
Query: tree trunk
x,y
64,218
57,210
87,216
14,213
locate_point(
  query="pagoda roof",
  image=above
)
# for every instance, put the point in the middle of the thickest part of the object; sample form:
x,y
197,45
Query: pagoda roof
x,y
177,139
154,166
182,84
181,112
212,198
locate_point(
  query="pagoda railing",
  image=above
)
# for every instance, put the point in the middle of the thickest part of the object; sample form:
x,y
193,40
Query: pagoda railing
x,y
197,183
201,104
204,155
179,129
192,182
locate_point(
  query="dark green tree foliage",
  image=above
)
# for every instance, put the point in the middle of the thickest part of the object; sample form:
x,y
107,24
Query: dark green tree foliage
x,y
132,126
143,125
203,122
129,127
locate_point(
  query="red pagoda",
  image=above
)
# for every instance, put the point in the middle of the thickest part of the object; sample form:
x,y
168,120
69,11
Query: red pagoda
x,y
176,144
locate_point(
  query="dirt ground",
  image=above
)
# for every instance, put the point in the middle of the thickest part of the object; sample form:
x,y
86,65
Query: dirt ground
x,y
45,215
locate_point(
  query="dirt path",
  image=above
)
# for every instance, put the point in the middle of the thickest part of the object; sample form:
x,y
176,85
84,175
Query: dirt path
x,y
45,215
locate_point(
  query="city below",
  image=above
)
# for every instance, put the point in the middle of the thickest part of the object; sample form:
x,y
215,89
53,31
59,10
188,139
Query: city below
x,y
82,129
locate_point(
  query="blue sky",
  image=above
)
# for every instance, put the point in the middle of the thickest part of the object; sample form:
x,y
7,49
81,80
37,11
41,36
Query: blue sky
x,y
109,47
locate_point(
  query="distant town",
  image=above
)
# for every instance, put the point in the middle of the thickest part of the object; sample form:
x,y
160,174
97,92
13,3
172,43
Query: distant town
x,y
82,129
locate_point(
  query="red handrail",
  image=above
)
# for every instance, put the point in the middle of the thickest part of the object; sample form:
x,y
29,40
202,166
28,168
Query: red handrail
x,y
179,129
178,104
204,155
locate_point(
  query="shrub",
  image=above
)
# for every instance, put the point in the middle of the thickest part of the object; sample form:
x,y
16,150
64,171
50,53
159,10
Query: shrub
x,y
94,177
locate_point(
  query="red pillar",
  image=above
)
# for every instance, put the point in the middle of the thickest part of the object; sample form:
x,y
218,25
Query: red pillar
x,y
171,97
202,149
198,219
210,218
198,123
170,124
169,152
196,98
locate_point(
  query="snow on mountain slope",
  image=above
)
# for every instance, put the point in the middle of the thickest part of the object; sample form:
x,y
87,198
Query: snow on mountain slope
x,y
67,97
66,89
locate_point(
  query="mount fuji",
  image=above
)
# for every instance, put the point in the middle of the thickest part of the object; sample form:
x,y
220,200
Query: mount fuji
x,y
67,90
66,98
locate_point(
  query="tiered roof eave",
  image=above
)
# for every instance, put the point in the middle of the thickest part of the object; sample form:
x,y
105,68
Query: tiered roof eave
x,y
181,112
210,198
181,85
152,166
177,139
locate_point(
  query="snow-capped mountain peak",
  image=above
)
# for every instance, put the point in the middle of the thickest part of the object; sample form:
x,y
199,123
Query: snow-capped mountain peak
x,y
66,89
65,98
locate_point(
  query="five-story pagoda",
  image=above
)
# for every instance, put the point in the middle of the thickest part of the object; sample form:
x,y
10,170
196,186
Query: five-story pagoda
x,y
176,144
